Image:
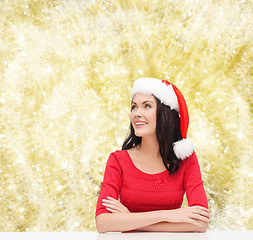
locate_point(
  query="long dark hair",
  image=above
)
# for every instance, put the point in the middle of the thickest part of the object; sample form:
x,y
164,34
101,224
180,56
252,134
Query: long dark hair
x,y
167,132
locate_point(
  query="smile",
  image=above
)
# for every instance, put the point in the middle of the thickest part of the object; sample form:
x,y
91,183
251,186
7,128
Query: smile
x,y
140,124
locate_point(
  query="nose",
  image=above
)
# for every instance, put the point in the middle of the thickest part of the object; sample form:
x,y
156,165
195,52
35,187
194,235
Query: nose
x,y
138,112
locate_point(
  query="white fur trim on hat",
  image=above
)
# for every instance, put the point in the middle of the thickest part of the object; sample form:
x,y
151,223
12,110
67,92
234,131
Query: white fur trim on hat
x,y
183,148
162,91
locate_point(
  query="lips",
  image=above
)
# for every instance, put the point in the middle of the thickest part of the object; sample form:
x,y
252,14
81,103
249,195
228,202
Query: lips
x,y
140,123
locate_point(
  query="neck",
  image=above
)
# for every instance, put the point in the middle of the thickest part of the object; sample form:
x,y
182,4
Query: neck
x,y
150,147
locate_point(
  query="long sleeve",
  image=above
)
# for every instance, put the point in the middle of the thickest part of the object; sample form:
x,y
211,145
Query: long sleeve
x,y
193,183
111,184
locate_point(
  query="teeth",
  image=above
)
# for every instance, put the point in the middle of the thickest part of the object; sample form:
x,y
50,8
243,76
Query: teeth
x,y
140,123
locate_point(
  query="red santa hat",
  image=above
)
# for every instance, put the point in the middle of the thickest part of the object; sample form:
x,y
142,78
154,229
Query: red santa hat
x,y
169,95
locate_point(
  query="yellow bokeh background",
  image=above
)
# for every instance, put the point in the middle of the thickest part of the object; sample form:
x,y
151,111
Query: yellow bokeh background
x,y
66,71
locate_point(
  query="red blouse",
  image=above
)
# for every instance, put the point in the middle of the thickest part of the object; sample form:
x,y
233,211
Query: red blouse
x,y
142,192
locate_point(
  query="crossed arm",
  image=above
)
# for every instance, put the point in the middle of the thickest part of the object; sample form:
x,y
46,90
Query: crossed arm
x,y
189,219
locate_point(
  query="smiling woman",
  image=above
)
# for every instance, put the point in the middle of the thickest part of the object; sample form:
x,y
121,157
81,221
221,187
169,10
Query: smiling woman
x,y
144,183
143,115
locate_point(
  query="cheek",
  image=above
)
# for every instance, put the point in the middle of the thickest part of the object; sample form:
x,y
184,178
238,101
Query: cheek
x,y
152,117
131,117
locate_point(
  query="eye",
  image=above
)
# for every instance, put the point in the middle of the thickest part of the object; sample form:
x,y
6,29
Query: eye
x,y
133,107
147,106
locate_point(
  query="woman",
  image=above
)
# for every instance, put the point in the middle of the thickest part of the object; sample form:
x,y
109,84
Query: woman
x,y
154,169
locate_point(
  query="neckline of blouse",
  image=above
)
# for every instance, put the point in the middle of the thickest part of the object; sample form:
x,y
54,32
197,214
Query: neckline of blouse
x,y
144,174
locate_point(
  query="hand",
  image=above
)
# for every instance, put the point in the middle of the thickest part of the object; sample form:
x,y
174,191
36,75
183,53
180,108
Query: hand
x,y
114,206
188,215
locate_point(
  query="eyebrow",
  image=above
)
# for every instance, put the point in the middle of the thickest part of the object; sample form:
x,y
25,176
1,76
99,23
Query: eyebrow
x,y
143,102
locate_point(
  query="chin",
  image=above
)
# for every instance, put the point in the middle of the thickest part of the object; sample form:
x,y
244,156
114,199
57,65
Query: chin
x,y
142,134
138,135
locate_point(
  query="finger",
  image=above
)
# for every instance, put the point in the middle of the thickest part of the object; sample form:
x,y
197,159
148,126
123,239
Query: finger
x,y
204,214
201,212
112,206
113,201
108,204
109,201
112,210
110,198
199,217
116,202
203,209
200,208
120,207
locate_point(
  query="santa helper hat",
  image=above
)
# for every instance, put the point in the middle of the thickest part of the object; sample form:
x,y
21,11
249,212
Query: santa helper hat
x,y
169,95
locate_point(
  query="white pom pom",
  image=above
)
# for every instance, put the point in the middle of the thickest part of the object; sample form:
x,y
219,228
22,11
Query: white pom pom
x,y
183,148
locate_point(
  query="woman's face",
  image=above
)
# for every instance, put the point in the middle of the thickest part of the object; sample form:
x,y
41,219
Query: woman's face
x,y
143,115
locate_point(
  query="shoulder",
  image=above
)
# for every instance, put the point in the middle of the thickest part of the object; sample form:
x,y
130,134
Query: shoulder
x,y
191,160
119,153
117,157
190,165
192,157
